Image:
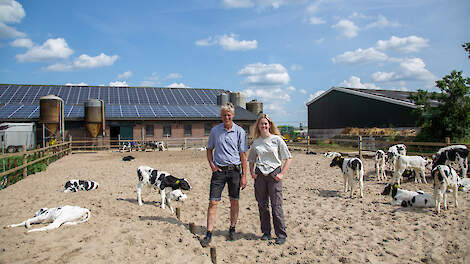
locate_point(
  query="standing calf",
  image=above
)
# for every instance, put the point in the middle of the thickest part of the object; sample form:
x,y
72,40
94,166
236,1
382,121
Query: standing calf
x,y
445,178
416,163
453,154
380,165
350,168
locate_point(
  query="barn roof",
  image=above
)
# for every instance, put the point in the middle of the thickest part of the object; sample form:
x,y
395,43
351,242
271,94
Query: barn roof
x,y
391,96
21,102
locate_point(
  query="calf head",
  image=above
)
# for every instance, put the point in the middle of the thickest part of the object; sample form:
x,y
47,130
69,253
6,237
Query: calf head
x,y
184,185
390,189
41,211
337,161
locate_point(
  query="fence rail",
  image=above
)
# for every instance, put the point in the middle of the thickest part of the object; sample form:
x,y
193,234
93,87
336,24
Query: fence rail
x,y
35,156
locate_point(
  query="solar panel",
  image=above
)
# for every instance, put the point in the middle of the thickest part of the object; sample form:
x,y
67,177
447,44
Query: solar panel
x,y
7,110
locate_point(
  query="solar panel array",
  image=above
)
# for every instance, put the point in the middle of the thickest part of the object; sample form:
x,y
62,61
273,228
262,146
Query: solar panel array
x,y
22,101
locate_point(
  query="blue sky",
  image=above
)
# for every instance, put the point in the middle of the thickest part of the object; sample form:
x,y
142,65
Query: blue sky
x,y
280,52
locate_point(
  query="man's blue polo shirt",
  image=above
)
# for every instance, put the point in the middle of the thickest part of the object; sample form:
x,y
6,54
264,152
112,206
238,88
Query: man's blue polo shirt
x,y
227,144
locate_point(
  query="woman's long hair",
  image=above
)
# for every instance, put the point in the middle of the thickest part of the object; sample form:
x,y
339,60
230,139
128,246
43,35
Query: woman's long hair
x,y
272,127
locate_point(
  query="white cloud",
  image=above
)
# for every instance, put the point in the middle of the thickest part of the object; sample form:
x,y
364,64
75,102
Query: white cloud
x,y
347,28
355,82
9,32
303,91
268,95
291,88
382,22
149,83
265,74
315,95
22,43
316,20
406,45
413,69
296,67
51,49
10,12
173,76
237,3
76,84
229,42
124,75
360,56
118,83
178,85
83,62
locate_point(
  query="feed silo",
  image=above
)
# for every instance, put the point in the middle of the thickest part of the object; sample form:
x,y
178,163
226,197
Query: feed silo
x,y
94,116
237,98
254,106
51,115
222,98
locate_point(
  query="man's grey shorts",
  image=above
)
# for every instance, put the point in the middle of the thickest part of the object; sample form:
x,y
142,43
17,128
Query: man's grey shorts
x,y
218,180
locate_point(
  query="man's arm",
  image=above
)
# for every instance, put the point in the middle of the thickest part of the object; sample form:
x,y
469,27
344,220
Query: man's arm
x,y
244,168
210,160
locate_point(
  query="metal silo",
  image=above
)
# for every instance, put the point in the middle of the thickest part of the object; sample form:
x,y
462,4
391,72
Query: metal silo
x,y
94,116
222,98
254,106
237,98
51,114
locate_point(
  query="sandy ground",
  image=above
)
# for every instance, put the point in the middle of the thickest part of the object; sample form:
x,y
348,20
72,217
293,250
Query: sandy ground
x,y
324,225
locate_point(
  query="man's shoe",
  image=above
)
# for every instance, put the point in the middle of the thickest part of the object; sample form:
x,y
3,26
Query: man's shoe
x,y
231,233
206,241
280,240
266,237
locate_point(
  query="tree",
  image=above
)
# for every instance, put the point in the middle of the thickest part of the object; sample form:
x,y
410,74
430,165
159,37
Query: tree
x,y
451,116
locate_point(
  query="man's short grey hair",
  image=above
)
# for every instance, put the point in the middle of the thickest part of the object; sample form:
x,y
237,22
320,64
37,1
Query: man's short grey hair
x,y
228,107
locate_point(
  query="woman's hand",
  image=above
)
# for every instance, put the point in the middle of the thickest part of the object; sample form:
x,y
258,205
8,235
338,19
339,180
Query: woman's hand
x,y
279,176
253,175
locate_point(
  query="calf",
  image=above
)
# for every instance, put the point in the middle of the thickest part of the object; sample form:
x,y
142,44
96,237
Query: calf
x,y
79,185
160,180
453,154
392,154
331,154
416,163
407,198
67,215
445,178
380,165
350,168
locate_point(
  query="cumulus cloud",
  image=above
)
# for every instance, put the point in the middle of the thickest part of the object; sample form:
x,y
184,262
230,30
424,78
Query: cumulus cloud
x,y
22,43
173,76
360,56
406,44
84,62
229,42
76,84
315,95
347,28
316,20
265,74
118,83
50,49
355,82
237,3
178,85
125,75
303,91
412,69
268,95
382,22
10,12
291,88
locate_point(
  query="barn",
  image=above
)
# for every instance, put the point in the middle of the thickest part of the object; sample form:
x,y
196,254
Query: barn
x,y
340,107
148,113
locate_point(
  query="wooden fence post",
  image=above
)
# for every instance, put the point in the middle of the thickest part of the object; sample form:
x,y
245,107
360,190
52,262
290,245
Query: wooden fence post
x,y
448,140
360,147
308,142
25,160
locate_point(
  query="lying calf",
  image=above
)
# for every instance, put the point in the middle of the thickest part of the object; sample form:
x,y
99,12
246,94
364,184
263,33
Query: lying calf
x,y
67,215
79,185
407,198
161,180
445,178
350,168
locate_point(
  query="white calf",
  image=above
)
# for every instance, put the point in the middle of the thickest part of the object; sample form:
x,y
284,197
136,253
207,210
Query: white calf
x,y
445,178
380,165
350,168
392,154
67,215
416,163
407,198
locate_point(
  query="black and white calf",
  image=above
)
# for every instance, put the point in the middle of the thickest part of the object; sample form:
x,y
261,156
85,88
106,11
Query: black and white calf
x,y
380,165
162,181
453,154
445,178
407,198
67,215
416,163
392,154
350,168
79,185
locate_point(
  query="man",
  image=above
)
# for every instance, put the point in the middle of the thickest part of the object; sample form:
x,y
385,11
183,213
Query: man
x,y
226,152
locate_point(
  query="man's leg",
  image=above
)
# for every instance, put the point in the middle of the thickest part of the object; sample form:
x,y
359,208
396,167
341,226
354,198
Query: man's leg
x,y
234,205
211,214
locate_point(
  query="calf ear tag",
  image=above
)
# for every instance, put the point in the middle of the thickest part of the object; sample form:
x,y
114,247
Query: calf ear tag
x,y
177,181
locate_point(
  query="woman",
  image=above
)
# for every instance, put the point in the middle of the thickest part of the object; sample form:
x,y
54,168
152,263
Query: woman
x,y
267,152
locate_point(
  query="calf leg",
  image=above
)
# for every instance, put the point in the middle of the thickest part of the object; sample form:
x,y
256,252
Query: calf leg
x,y
53,225
456,190
163,198
351,184
345,178
139,192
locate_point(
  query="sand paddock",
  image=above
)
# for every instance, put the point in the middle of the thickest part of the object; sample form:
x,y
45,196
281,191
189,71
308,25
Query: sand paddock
x,y
324,225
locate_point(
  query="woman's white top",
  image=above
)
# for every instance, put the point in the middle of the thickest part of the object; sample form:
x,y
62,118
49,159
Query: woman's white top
x,y
268,153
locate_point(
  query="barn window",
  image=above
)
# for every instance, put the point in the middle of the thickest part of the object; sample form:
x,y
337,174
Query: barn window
x,y
149,130
188,130
207,129
167,130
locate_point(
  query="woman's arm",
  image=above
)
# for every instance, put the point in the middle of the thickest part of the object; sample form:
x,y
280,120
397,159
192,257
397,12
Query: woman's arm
x,y
284,169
